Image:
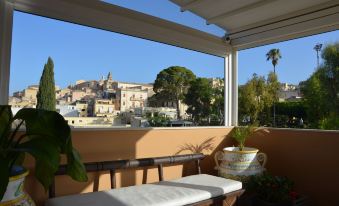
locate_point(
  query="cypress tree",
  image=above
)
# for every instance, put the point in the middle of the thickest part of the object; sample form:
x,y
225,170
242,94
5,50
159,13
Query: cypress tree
x,y
46,94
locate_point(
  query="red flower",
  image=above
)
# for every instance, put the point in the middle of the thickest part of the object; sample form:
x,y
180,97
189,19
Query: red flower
x,y
293,195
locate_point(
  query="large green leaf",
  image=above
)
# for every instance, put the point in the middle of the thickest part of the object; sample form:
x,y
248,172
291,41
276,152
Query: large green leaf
x,y
47,157
5,122
49,136
45,123
75,167
4,176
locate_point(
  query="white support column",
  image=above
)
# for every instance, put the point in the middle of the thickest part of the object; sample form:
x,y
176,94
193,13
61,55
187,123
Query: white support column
x,y
228,87
234,87
226,103
231,87
6,25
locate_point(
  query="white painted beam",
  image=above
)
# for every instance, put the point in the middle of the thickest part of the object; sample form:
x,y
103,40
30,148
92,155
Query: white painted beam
x,y
113,18
218,18
293,31
235,95
310,21
191,5
6,26
313,12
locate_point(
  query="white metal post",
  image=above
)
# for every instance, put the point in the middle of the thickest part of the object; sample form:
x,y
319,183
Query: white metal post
x,y
228,87
6,26
234,87
231,87
226,114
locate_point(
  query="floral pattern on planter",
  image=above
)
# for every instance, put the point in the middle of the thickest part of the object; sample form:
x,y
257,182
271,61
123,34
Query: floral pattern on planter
x,y
15,194
240,165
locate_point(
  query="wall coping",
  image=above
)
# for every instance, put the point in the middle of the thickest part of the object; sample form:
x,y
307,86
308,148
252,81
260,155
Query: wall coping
x,y
192,128
145,128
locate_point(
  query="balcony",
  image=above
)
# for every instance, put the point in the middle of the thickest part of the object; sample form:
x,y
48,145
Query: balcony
x,y
306,156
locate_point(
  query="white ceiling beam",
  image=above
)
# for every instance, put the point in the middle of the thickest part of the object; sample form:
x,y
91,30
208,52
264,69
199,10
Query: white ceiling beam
x,y
113,18
191,5
293,31
286,22
243,9
293,15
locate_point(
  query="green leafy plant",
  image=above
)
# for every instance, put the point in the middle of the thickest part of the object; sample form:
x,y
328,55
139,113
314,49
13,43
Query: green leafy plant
x,y
240,134
272,189
158,121
45,137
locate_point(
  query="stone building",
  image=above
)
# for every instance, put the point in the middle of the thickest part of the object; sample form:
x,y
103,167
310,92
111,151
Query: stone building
x,y
104,108
130,98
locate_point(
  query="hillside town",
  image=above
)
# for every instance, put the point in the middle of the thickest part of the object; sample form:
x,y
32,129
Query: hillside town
x,y
110,103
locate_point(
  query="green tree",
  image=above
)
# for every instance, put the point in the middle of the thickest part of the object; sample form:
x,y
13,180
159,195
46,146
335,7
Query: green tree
x,y
314,98
274,55
46,94
158,120
256,98
321,91
218,107
270,98
172,84
251,99
199,99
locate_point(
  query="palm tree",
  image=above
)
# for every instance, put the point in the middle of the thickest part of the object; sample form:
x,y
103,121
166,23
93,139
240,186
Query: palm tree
x,y
273,55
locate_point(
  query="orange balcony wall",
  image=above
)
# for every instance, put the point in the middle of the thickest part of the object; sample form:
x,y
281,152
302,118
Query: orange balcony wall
x,y
306,156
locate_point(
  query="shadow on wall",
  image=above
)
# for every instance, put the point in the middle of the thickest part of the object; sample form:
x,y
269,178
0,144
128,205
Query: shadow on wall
x,y
99,145
105,144
209,148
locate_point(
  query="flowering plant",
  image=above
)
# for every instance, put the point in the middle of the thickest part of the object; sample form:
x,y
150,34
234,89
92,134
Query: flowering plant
x,y
273,189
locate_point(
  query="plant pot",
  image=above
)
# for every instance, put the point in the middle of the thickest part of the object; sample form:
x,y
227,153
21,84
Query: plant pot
x,y
15,194
240,165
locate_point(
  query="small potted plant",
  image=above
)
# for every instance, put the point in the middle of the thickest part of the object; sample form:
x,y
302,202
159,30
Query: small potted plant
x,y
272,190
241,162
45,136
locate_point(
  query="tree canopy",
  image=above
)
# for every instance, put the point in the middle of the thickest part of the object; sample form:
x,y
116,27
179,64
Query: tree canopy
x,y
46,95
321,91
274,55
256,98
172,84
199,99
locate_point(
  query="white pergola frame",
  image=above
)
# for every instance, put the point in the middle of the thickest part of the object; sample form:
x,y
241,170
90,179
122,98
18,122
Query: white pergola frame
x,y
108,17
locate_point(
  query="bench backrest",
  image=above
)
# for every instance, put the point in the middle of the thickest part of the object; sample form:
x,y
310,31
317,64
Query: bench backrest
x,y
112,166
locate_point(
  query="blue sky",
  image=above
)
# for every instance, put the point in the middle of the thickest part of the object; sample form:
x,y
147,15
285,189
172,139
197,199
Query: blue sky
x,y
85,53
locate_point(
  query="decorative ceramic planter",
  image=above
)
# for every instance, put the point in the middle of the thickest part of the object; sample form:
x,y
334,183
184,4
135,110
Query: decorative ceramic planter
x,y
15,194
240,165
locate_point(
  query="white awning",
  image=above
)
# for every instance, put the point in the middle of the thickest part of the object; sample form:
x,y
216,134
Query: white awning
x,y
251,23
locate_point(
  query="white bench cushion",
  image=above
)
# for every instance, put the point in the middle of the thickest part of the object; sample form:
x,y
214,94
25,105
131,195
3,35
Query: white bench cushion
x,y
182,191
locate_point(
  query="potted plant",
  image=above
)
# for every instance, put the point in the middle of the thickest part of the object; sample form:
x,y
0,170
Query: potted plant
x,y
271,190
241,162
45,136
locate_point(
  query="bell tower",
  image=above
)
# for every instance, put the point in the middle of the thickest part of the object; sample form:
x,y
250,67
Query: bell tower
x,y
109,76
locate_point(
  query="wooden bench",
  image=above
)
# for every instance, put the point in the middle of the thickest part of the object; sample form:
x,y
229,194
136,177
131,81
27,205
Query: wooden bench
x,y
207,189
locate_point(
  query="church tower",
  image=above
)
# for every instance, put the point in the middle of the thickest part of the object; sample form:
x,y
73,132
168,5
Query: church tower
x,y
108,82
109,76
